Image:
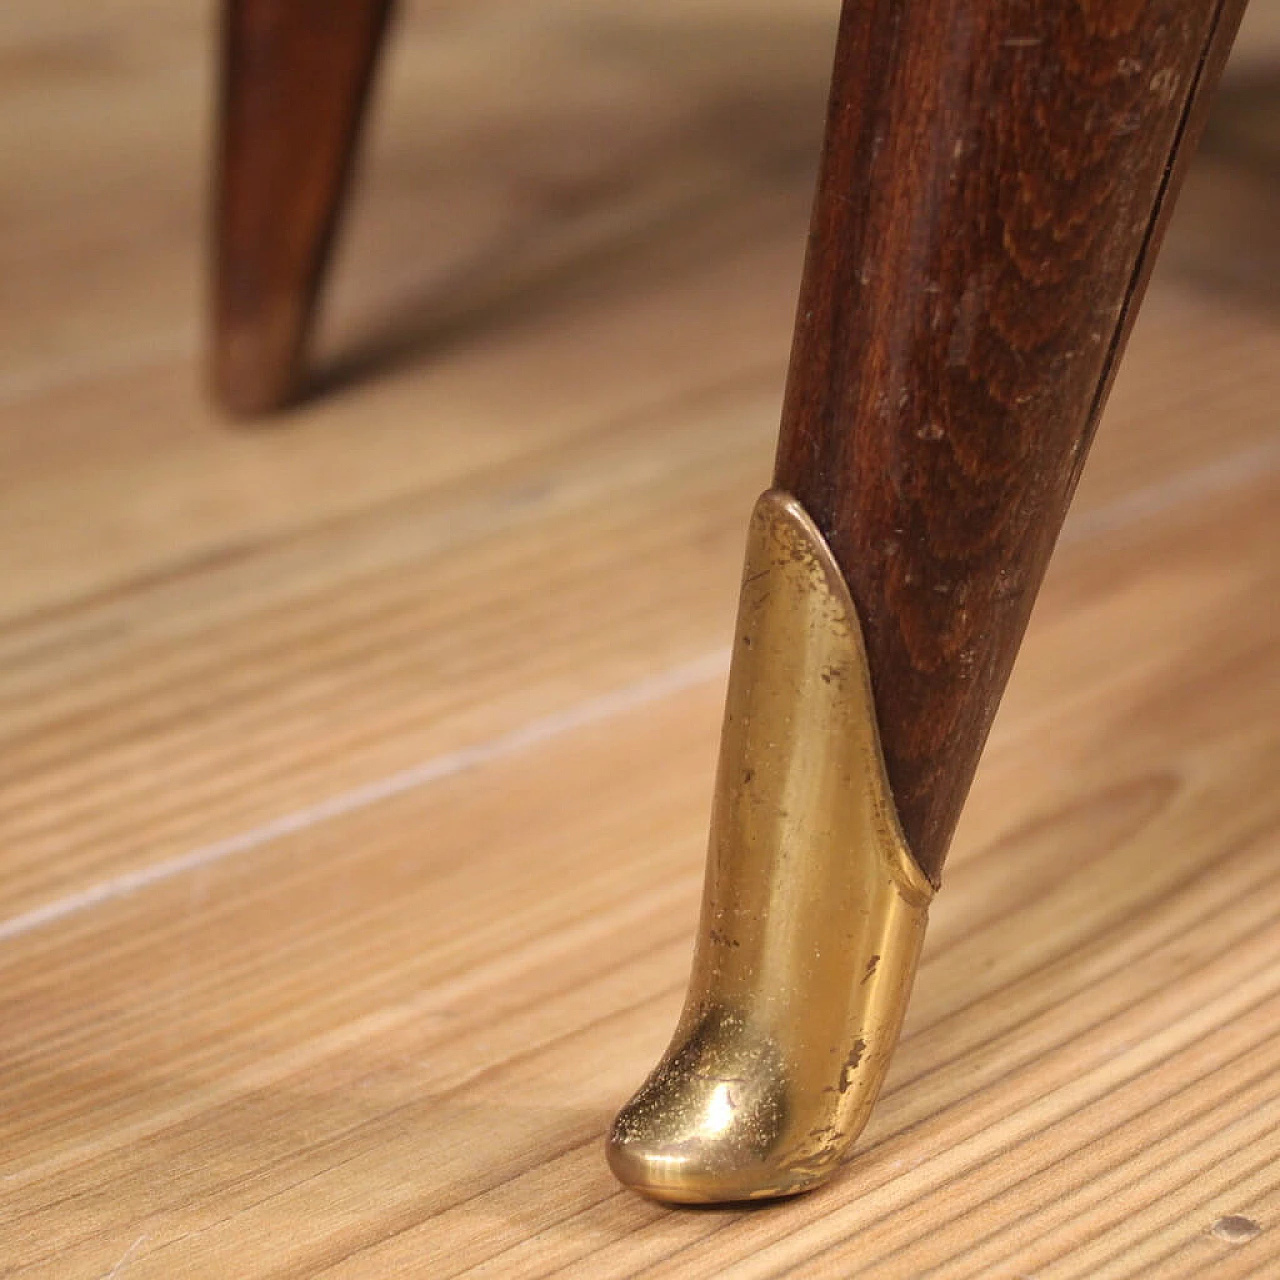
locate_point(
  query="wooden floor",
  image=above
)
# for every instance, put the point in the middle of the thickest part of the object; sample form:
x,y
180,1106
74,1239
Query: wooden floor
x,y
354,770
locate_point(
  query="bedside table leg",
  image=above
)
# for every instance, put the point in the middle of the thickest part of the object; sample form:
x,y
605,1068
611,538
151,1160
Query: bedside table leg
x,y
995,179
294,80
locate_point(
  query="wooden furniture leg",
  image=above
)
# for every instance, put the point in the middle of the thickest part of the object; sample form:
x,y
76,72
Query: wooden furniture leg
x,y
295,78
995,179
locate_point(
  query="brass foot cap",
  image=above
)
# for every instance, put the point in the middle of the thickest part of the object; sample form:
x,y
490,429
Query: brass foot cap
x,y
813,911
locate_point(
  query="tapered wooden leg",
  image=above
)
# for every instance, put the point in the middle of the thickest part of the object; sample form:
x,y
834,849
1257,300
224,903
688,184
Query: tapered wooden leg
x,y
995,179
295,78
995,182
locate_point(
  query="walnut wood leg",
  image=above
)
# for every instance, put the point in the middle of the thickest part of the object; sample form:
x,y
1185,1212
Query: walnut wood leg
x,y
995,179
295,78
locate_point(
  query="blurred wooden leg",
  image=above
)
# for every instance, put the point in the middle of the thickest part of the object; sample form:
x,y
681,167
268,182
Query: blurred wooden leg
x,y
995,179
295,78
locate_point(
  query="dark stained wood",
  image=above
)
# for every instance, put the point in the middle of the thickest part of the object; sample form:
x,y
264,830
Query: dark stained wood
x,y
295,78
994,182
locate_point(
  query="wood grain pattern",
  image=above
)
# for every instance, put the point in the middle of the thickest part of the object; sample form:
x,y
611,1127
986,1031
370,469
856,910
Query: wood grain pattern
x,y
351,835
994,180
295,78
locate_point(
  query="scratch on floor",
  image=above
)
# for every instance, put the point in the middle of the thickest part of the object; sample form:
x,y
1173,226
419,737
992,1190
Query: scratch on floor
x,y
605,706
124,1257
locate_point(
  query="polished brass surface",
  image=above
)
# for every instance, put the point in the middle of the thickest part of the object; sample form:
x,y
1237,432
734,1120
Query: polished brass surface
x,y
813,911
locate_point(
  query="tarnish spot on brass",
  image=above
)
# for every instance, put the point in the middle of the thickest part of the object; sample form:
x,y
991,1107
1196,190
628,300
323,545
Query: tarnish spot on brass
x,y
851,1064
813,911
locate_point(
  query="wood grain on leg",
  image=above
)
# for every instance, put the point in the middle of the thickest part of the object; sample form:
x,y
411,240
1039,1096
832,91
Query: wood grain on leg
x,y
994,181
295,78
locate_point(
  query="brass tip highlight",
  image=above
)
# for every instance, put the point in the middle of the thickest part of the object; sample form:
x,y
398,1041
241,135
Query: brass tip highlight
x,y
703,1126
